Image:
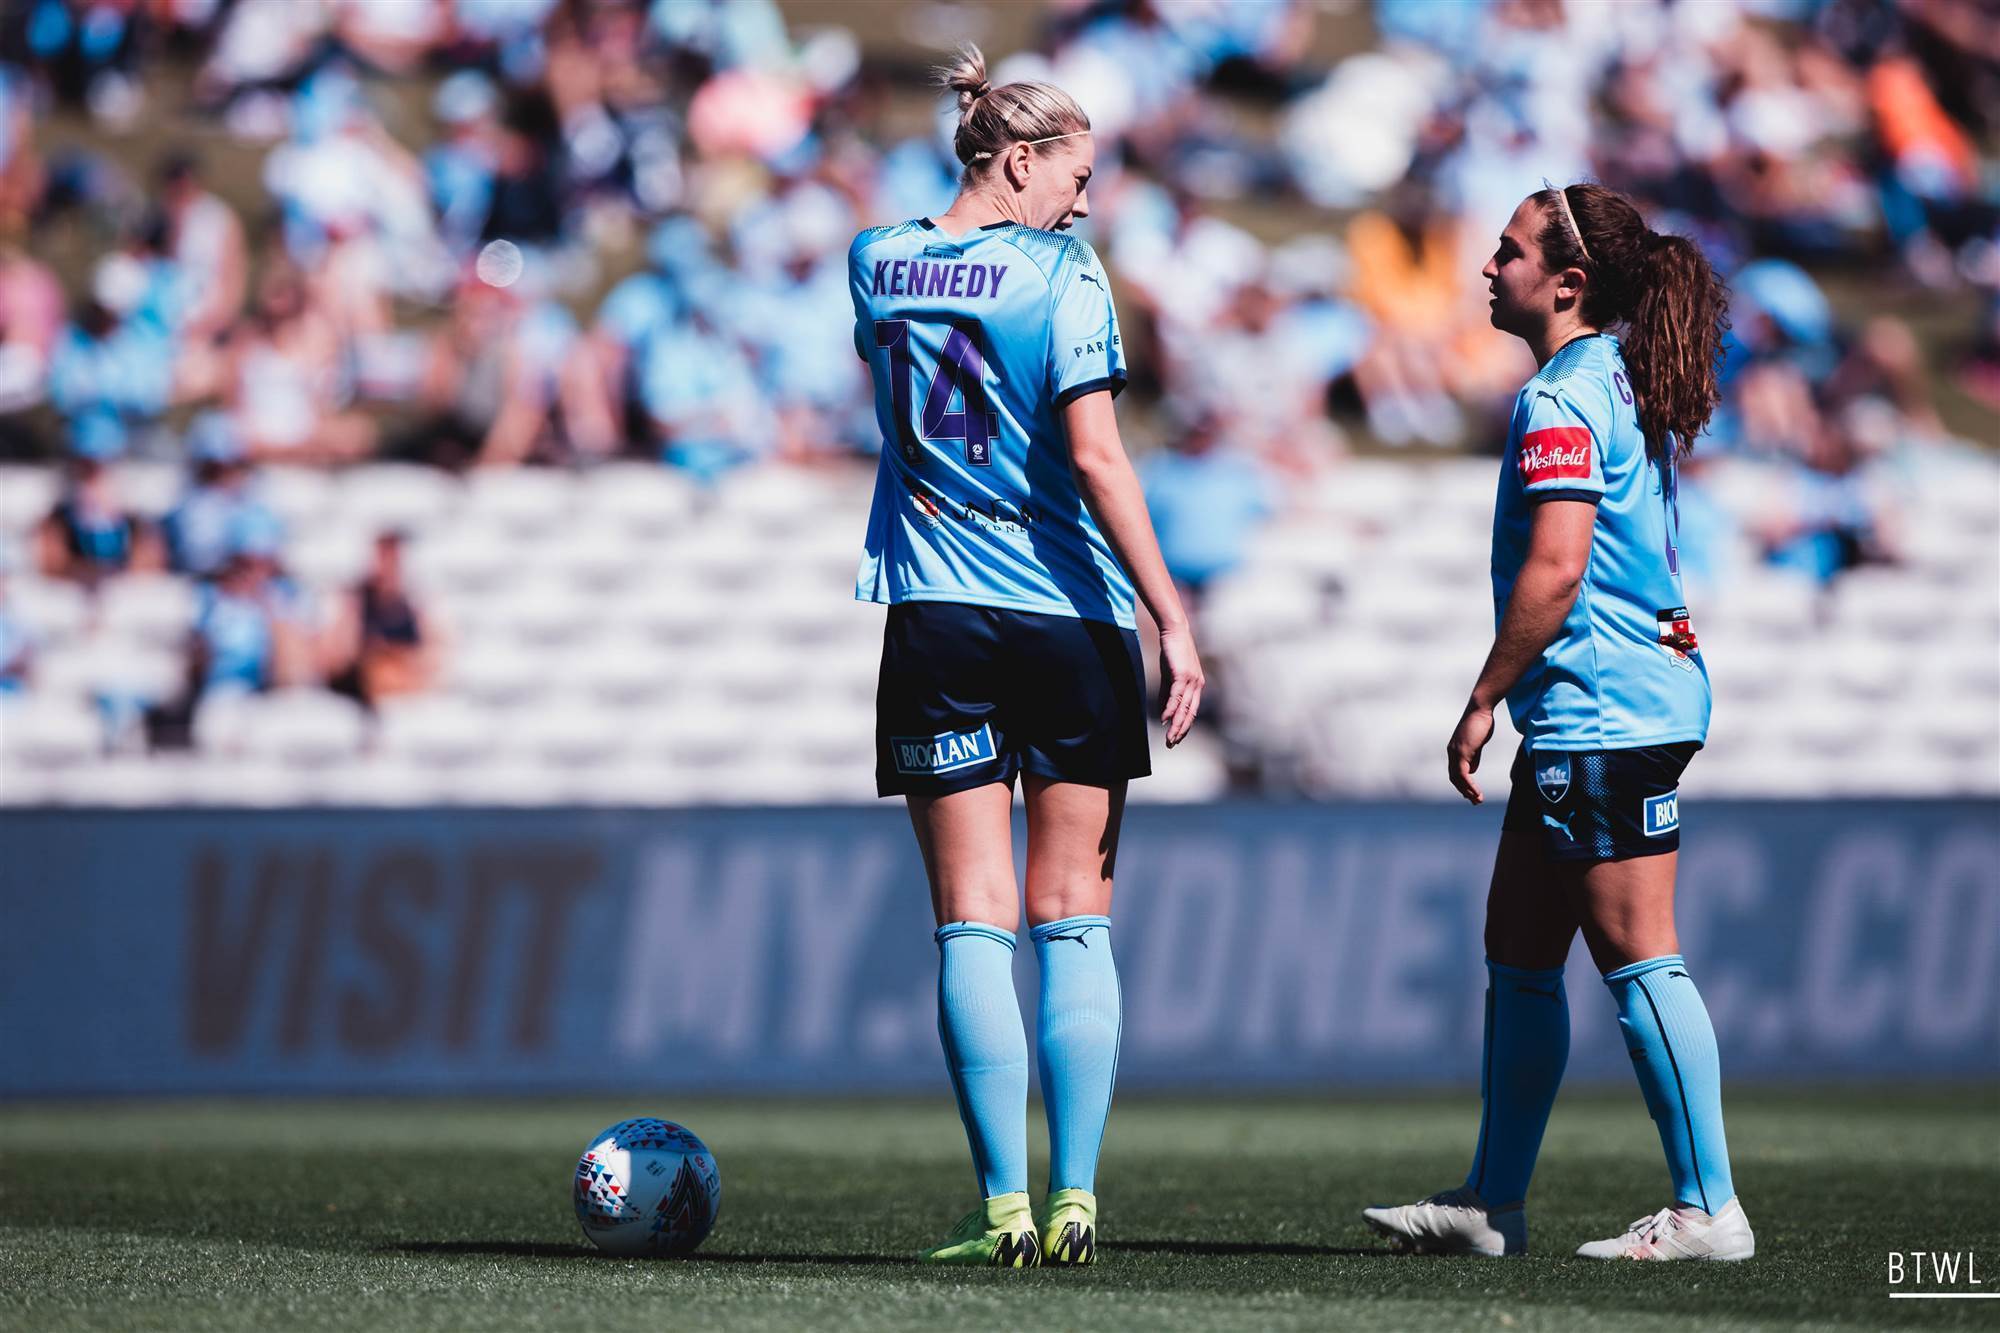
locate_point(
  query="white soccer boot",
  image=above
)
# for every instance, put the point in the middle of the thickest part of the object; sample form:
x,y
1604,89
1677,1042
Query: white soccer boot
x,y
1454,1222
1680,1233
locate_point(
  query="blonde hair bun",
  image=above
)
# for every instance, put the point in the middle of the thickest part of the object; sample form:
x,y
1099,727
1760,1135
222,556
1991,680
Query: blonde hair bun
x,y
990,118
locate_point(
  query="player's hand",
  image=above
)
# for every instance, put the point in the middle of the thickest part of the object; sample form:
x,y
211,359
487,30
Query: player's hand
x,y
1461,753
1180,683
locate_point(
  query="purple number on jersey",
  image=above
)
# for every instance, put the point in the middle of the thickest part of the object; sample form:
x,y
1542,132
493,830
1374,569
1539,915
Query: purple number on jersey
x,y
961,373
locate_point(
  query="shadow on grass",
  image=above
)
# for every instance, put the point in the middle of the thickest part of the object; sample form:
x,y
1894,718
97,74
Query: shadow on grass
x,y
1224,1248
519,1249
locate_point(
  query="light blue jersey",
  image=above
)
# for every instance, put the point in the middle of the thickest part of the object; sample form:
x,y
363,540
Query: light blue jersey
x,y
1624,671
976,344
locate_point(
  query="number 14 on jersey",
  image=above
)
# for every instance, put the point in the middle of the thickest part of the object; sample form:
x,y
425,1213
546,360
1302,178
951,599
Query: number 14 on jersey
x,y
961,375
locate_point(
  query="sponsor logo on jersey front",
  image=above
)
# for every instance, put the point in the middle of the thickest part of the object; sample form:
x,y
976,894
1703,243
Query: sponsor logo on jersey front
x,y
1662,814
1552,777
1555,453
946,752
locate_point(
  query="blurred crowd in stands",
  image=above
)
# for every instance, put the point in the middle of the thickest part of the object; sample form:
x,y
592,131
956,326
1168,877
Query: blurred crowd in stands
x,y
495,233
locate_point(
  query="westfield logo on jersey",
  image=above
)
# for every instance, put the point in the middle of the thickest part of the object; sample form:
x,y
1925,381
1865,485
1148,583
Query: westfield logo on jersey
x,y
1559,451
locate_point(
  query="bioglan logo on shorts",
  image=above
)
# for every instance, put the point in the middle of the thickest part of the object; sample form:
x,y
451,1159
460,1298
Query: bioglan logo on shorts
x,y
1662,814
946,752
1555,453
1552,777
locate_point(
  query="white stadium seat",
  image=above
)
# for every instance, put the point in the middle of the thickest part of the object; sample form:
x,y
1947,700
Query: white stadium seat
x,y
1243,610
636,500
297,495
42,733
51,609
525,501
27,494
438,732
329,557
290,728
568,731
150,488
500,674
154,608
114,668
1375,492
377,497
379,780
463,556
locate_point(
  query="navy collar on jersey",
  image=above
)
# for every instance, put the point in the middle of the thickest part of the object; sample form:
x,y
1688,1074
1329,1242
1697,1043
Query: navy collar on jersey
x,y
928,225
1581,337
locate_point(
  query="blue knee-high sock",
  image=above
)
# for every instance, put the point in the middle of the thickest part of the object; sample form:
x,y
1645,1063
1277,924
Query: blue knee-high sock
x,y
1527,1045
1077,1036
1673,1051
979,1021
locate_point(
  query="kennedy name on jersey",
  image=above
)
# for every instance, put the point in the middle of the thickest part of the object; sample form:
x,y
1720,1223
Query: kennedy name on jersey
x,y
1560,451
914,277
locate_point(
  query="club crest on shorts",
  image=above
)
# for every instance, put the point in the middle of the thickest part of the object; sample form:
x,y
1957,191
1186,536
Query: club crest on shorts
x,y
946,752
1552,776
1662,814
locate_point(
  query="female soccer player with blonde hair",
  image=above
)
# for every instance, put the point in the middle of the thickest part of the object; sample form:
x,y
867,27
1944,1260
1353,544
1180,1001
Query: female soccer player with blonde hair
x,y
1596,657
1007,536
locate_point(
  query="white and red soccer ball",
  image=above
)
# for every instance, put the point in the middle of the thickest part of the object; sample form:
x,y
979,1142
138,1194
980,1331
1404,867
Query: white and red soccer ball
x,y
647,1187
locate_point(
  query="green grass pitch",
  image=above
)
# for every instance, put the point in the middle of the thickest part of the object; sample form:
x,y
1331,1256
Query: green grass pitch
x,y
436,1215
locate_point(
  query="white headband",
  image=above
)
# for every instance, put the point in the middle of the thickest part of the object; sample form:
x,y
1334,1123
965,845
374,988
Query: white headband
x,y
1562,197
1032,142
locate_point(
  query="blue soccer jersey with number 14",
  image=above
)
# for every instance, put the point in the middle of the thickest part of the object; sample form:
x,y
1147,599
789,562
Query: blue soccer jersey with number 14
x,y
975,344
1624,670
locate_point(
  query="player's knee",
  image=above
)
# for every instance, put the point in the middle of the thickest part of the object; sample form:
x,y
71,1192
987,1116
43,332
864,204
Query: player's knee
x,y
989,900
1533,945
1067,896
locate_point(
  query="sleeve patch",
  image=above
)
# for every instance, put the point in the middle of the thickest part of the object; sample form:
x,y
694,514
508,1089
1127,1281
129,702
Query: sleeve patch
x,y
1554,453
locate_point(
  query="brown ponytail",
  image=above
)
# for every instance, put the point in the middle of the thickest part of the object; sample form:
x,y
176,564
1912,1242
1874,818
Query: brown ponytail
x,y
1672,307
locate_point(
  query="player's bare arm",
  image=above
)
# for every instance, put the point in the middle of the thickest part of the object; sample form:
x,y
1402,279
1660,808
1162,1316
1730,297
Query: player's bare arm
x,y
1110,488
1558,551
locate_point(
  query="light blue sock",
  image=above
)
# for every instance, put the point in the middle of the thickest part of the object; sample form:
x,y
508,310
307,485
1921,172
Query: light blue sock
x,y
1527,1045
979,1021
1673,1051
1077,1034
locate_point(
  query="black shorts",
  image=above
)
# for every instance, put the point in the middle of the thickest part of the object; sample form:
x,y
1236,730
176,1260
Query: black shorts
x,y
1600,805
974,694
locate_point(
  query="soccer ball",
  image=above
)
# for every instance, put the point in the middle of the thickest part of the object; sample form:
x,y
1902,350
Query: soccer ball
x,y
646,1187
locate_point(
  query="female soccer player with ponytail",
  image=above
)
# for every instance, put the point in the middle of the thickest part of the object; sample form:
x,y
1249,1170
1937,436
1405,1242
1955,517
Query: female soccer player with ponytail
x,y
1007,534
1597,660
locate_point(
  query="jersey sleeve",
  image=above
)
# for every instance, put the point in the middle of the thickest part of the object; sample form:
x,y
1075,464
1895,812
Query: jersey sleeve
x,y
1085,354
857,285
1559,454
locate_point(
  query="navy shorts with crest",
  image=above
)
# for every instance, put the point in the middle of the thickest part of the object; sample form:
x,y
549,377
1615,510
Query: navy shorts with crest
x,y
1600,805
975,694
